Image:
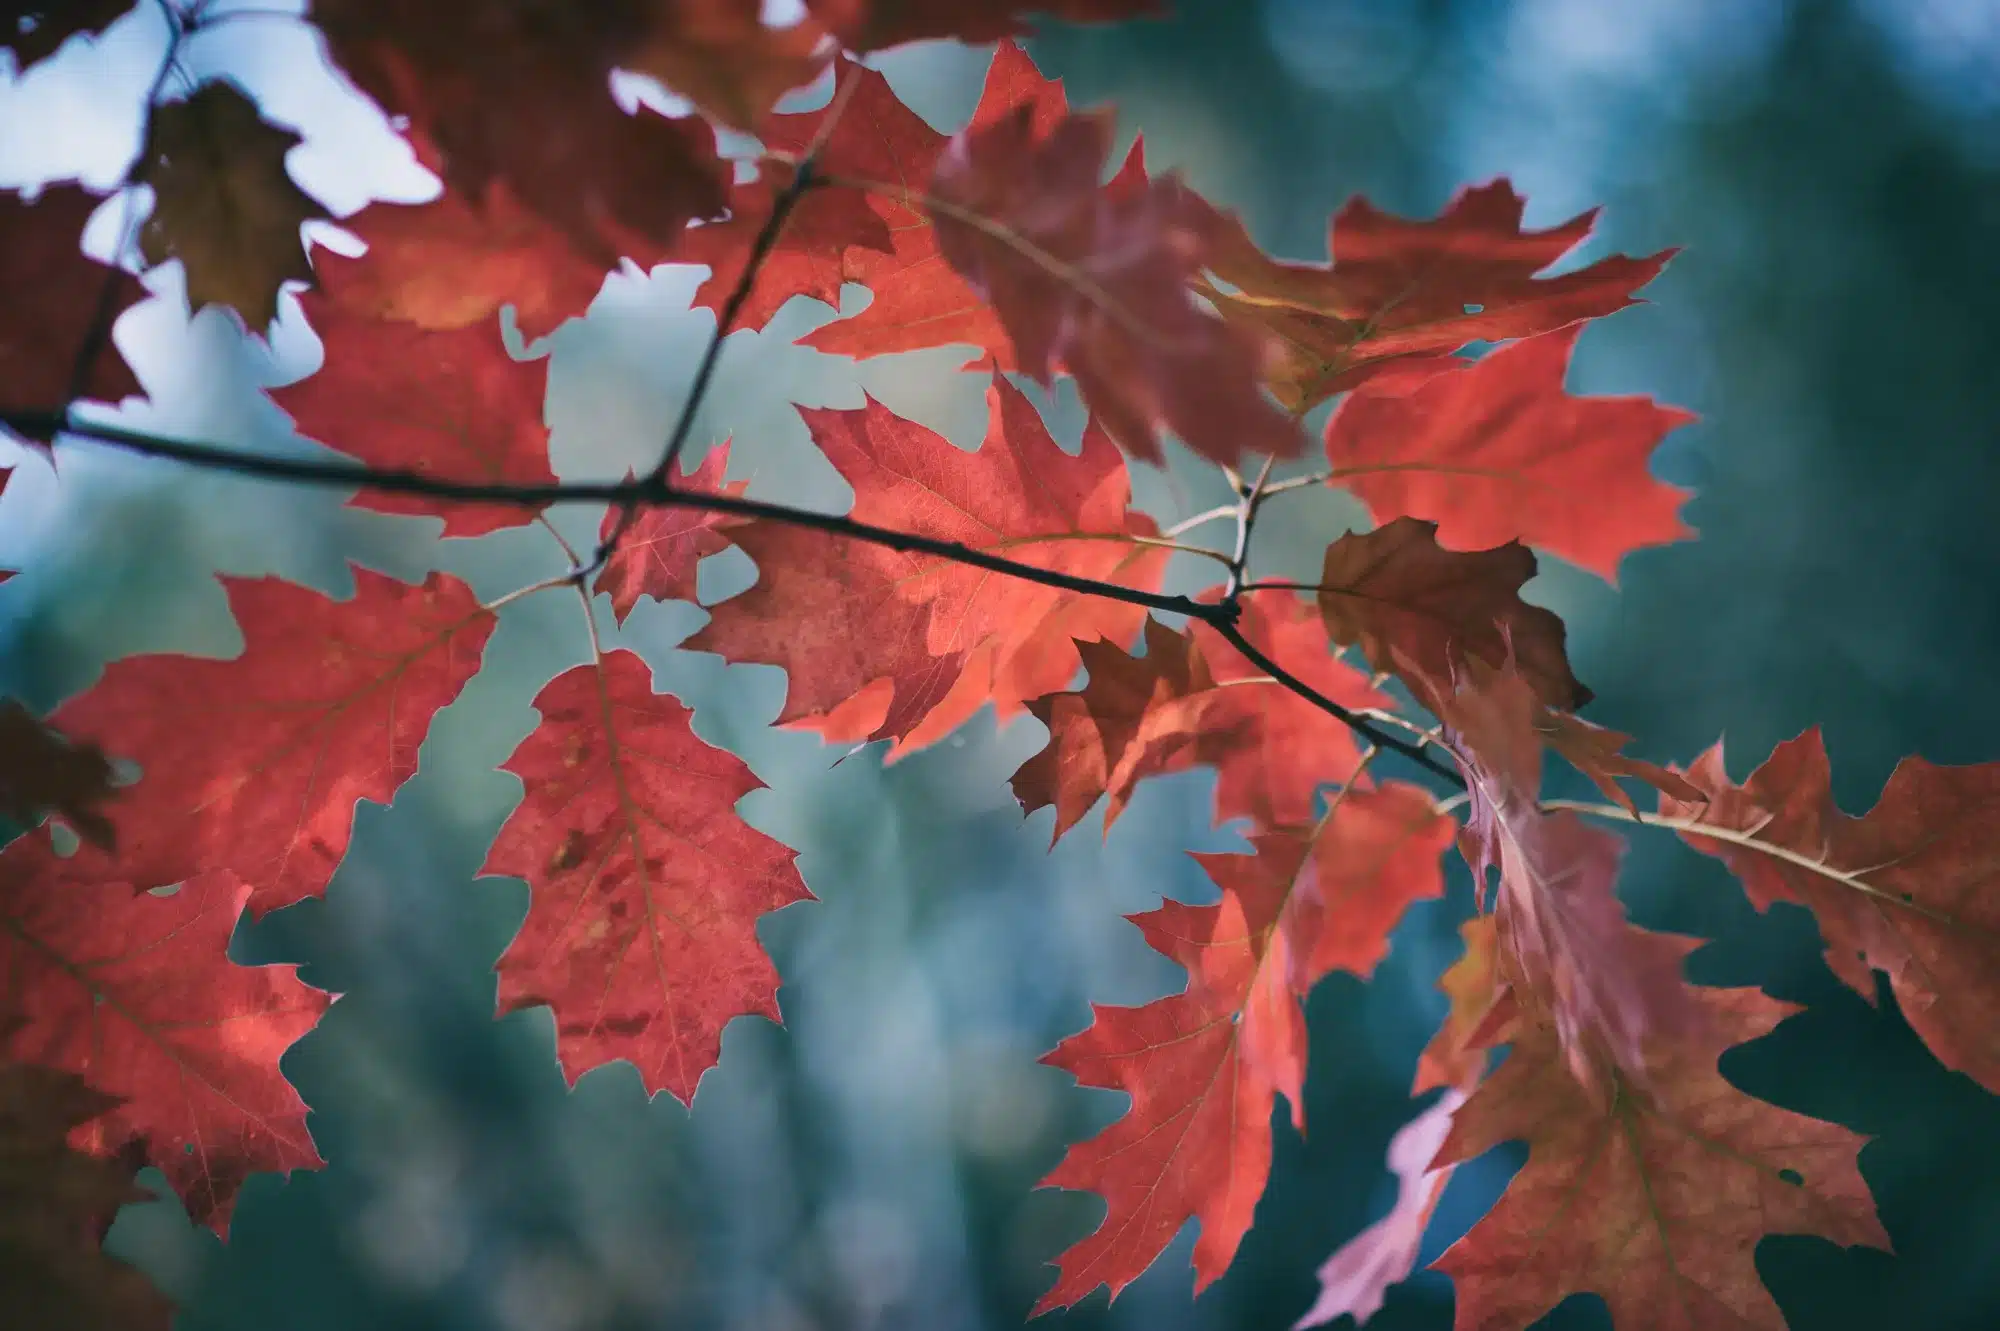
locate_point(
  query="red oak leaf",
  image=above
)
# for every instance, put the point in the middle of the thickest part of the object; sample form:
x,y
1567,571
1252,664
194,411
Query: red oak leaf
x,y
1356,1279
1203,1066
1911,888
1500,452
720,55
659,552
1094,279
1655,1200
42,772
52,300
449,403
840,233
519,94
137,994
1137,716
1294,747
1456,1053
1401,296
34,30
883,645
458,258
646,884
253,764
1566,945
869,25
1426,612
1595,752
224,204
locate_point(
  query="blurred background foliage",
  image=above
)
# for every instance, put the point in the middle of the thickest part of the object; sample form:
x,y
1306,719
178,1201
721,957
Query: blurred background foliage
x,y
1833,169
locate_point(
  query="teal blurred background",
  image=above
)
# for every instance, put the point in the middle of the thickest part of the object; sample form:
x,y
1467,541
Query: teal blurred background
x,y
1834,172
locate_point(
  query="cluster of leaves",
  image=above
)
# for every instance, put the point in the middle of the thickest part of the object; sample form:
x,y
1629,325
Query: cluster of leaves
x,y
959,580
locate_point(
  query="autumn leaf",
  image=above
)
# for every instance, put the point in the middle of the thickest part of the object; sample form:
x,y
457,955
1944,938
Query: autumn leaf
x,y
34,30
1294,747
1355,1281
1423,612
1565,944
878,644
1500,452
1910,888
1093,279
53,293
720,55
1203,1067
223,202
647,886
1401,296
253,764
1136,717
1598,754
41,772
1455,1056
660,551
56,1202
869,25
1653,1200
449,403
137,995
841,233
518,96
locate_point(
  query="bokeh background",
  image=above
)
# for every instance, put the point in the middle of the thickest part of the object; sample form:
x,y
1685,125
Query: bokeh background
x,y
1833,168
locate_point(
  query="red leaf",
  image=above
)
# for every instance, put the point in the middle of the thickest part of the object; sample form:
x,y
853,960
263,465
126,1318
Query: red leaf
x,y
1400,296
1910,888
1356,1279
883,645
1203,1066
518,94
869,25
1137,716
840,234
1293,746
52,298
41,772
720,55
448,403
1094,279
137,994
1426,612
1499,452
253,764
1655,1200
1455,1055
36,29
660,551
1563,934
646,884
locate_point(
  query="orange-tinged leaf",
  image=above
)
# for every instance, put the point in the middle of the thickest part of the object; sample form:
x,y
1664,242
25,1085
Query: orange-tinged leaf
x,y
883,645
1500,452
660,551
1455,1056
1202,1067
1401,296
519,94
1136,717
647,885
41,772
52,298
34,30
840,234
1094,279
137,994
1653,1200
223,202
1424,612
1356,1279
1295,747
253,764
869,25
449,403
1912,887
1597,753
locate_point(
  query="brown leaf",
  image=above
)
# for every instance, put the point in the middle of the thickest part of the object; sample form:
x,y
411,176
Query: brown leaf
x,y
53,293
719,55
224,204
34,30
43,772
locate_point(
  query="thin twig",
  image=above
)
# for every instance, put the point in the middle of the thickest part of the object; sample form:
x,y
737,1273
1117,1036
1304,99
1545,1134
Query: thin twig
x,y
1216,514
